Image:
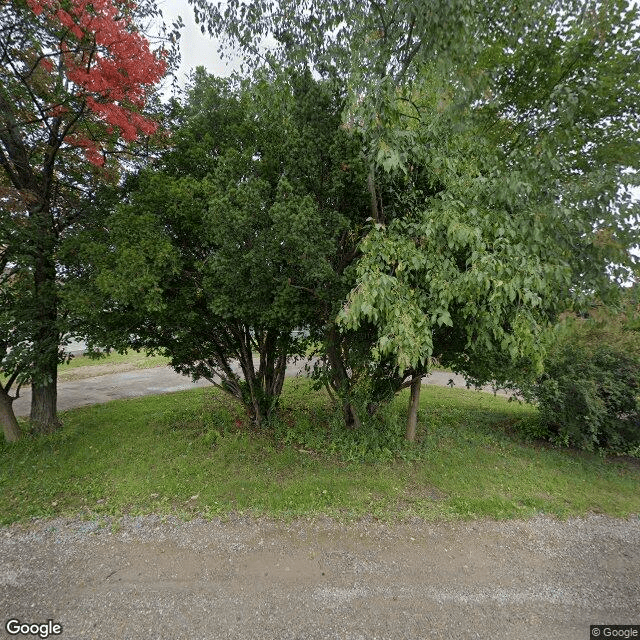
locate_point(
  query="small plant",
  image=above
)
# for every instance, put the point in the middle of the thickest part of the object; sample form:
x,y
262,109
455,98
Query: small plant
x,y
379,438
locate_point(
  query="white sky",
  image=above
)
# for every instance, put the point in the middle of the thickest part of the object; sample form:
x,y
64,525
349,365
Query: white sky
x,y
196,49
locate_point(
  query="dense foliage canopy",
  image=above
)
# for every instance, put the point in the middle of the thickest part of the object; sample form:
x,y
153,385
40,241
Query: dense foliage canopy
x,y
455,177
228,252
515,131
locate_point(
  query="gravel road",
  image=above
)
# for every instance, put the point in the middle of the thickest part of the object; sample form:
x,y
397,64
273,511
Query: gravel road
x,y
248,579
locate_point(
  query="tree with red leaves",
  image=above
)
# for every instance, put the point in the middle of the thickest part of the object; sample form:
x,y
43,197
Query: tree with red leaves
x,y
76,77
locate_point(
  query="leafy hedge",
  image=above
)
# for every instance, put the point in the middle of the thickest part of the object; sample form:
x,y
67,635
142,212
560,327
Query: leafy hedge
x,y
589,394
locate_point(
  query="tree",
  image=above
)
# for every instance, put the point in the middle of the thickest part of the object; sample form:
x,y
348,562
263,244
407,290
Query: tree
x,y
74,81
506,135
225,249
527,210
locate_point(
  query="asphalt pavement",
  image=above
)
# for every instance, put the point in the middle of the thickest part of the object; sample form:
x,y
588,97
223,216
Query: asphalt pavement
x,y
146,382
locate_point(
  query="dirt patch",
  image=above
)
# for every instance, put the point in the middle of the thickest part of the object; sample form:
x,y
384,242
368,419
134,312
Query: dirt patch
x,y
625,460
415,494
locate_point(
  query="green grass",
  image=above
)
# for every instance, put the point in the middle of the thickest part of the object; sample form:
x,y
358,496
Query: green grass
x,y
78,367
133,358
191,453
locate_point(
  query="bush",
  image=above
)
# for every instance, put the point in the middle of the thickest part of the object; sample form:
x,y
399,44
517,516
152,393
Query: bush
x,y
588,396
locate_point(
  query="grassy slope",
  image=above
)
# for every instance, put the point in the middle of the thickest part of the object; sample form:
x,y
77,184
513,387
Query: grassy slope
x,y
190,453
137,359
83,366
80,367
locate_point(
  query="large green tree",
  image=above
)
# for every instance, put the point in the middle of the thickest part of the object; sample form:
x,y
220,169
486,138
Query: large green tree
x,y
75,78
527,208
237,239
501,142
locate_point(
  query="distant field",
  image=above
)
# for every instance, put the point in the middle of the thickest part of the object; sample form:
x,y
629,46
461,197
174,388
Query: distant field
x,y
80,367
84,367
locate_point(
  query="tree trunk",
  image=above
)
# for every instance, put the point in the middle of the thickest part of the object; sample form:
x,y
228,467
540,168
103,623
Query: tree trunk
x,y
8,418
46,338
376,203
351,418
414,401
340,381
44,417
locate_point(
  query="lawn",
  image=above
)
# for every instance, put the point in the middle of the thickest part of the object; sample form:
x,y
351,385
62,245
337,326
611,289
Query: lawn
x,y
85,367
80,367
191,453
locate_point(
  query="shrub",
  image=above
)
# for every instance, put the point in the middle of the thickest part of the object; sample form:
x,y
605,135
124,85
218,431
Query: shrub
x,y
588,396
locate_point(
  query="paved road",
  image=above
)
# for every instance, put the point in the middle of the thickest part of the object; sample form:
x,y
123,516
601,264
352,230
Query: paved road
x,y
146,382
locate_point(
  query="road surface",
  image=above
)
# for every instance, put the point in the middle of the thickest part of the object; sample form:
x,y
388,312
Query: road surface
x,y
145,382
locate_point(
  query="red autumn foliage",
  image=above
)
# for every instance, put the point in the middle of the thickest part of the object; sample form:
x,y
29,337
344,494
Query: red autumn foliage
x,y
108,62
47,65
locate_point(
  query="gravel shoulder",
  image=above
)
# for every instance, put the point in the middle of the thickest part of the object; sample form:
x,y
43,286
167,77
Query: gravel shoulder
x,y
147,577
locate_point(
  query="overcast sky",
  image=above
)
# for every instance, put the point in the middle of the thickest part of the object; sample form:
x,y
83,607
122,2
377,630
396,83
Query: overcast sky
x,y
196,49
